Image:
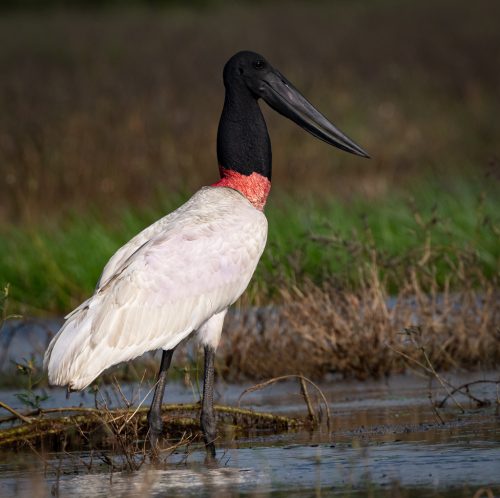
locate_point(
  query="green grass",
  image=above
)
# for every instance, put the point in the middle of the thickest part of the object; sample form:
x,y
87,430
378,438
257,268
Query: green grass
x,y
53,266
332,240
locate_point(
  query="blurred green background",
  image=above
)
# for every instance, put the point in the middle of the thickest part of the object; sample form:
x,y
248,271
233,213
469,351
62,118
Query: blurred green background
x,y
109,113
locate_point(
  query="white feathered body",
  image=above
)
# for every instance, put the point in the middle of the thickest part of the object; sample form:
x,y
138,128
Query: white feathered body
x,y
175,277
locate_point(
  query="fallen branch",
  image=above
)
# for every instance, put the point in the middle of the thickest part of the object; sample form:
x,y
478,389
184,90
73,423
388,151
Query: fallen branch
x,y
15,413
87,420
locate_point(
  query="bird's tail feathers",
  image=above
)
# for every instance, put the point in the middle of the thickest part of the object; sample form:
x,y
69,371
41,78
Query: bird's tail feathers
x,y
61,357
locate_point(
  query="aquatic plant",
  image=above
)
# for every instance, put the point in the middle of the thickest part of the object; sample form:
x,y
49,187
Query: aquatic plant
x,y
29,397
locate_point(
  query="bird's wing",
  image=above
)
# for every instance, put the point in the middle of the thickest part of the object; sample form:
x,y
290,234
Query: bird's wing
x,y
128,249
121,256
198,265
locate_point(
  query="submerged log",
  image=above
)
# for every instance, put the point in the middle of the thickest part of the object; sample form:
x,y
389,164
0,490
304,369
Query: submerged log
x,y
104,425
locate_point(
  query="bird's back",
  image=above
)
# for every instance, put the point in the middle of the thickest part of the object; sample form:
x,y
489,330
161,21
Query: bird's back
x,y
162,285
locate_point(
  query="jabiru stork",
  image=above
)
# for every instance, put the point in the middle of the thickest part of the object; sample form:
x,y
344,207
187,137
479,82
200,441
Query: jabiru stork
x,y
178,277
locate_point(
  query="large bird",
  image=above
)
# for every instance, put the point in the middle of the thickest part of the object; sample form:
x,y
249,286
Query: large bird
x,y
179,276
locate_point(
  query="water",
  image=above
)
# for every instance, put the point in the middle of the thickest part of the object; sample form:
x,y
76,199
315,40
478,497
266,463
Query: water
x,y
385,441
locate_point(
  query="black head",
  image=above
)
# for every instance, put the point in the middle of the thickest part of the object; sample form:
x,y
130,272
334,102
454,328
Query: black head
x,y
246,69
250,72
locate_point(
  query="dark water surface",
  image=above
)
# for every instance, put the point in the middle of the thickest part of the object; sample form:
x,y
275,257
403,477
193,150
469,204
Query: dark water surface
x,y
385,441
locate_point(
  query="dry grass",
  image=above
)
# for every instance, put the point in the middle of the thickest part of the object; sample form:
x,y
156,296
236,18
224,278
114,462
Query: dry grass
x,y
321,330
378,315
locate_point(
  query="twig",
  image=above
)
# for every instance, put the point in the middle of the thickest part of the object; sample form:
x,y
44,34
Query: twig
x,y
303,388
409,358
40,456
481,491
16,414
433,405
427,369
136,410
127,452
117,386
480,402
443,381
440,380
183,441
269,382
42,411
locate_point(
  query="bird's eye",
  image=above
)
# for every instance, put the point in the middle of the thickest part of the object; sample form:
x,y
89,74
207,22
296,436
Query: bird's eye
x,y
259,64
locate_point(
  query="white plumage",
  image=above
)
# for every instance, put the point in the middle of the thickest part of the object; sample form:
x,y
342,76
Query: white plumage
x,y
177,276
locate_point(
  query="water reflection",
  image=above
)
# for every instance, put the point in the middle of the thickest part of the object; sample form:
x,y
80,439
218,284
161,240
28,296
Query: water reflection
x,y
285,465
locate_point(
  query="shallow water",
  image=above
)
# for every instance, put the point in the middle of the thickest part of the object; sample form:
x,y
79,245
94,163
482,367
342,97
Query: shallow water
x,y
385,440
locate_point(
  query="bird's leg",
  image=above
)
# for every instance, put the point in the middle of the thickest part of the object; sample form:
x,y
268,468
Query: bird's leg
x,y
207,418
154,414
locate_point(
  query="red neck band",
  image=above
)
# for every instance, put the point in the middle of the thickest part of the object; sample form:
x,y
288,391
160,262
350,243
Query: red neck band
x,y
254,187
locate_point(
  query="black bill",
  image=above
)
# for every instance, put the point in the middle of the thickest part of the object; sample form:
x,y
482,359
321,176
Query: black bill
x,y
284,98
